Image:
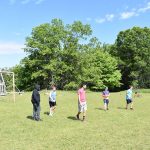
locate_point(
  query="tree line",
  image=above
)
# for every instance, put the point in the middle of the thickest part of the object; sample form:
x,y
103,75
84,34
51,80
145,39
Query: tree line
x,y
68,55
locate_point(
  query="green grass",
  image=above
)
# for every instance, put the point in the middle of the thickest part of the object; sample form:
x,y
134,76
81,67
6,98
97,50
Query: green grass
x,y
143,90
116,129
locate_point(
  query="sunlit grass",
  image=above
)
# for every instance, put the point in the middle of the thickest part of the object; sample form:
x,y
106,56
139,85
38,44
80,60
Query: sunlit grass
x,y
115,129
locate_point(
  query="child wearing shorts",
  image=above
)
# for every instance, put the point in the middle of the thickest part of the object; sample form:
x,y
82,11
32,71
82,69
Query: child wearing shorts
x,y
129,98
82,105
52,101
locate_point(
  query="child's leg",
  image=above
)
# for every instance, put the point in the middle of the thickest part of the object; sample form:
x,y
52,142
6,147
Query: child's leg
x,y
84,115
127,106
33,112
79,110
127,103
54,108
51,111
105,106
131,107
78,115
84,111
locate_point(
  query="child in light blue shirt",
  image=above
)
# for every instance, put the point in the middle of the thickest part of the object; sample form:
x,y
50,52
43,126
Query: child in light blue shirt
x,y
129,97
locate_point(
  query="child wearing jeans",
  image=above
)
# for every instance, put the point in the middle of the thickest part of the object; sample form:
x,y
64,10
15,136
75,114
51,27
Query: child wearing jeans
x,y
106,95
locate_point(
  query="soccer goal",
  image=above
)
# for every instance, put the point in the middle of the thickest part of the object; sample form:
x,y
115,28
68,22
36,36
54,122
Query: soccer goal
x,y
3,87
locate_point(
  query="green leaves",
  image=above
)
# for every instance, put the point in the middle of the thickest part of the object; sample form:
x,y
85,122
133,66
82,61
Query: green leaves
x,y
133,49
100,69
57,53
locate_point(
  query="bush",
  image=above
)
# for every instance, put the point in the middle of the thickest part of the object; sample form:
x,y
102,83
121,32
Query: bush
x,y
71,86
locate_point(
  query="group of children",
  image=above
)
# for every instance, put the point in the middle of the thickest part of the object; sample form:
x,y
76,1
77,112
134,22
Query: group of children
x,y
35,99
82,103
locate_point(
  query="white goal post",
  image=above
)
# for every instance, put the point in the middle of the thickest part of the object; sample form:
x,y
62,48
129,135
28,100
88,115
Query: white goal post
x,y
13,75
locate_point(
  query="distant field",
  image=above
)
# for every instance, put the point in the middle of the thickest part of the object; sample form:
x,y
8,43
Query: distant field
x,y
116,129
144,90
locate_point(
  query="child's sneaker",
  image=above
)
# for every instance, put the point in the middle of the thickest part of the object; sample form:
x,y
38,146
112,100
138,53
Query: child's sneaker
x,y
83,118
77,116
50,114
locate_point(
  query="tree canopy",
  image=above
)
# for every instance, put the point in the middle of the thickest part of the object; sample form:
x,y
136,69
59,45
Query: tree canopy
x,y
66,55
132,48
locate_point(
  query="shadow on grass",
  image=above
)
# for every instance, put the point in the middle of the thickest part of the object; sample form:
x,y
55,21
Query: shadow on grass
x,y
30,117
46,113
121,107
72,118
100,108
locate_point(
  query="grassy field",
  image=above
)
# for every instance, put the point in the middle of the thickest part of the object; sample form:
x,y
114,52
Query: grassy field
x,y
116,129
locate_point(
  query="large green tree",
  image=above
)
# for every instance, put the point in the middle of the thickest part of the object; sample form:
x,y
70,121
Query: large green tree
x,y
53,52
99,67
132,48
66,55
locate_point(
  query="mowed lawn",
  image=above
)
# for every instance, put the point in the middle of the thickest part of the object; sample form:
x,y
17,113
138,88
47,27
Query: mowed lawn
x,y
116,129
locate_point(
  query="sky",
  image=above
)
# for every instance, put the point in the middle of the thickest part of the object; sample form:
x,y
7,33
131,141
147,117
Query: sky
x,y
106,17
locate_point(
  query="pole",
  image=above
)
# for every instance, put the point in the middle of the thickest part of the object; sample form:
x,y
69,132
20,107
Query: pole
x,y
14,96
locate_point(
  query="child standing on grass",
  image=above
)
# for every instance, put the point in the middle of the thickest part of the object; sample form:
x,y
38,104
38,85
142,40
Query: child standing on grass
x,y
82,105
129,98
35,99
106,95
52,101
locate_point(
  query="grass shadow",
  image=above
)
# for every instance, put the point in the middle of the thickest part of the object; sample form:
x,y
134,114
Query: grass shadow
x,y
100,108
46,113
121,107
72,118
30,117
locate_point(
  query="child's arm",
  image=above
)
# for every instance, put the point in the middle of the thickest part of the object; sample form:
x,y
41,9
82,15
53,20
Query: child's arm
x,y
50,96
103,95
106,96
79,98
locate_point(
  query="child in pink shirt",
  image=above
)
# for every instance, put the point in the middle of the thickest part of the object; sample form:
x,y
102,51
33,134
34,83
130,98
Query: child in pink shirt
x,y
82,106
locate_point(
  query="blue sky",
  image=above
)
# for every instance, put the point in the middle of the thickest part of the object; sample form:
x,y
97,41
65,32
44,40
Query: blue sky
x,y
106,17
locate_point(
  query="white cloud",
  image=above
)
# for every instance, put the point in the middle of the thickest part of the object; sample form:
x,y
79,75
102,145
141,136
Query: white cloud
x,y
11,48
109,17
101,20
128,14
135,12
144,9
123,15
